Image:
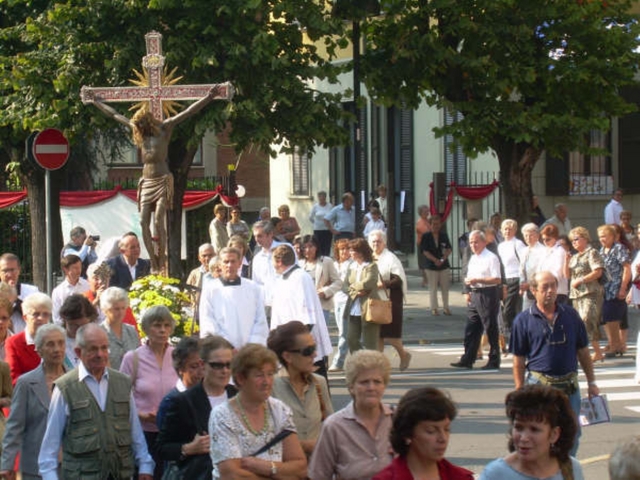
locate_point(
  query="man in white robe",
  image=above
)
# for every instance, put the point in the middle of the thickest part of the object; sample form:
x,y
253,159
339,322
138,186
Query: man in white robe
x,y
295,298
231,306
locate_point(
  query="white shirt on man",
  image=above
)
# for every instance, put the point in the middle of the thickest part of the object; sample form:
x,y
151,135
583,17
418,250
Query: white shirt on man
x,y
235,312
483,265
612,212
62,292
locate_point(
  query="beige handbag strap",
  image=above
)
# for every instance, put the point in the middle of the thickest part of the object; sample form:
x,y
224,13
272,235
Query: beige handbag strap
x,y
387,292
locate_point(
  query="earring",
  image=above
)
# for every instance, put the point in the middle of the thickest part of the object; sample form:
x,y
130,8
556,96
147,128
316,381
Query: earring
x,y
407,441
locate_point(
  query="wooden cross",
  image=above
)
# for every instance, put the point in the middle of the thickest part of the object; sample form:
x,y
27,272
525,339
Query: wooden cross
x,y
155,93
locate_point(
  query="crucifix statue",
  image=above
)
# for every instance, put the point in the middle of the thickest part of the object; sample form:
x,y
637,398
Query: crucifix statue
x,y
152,134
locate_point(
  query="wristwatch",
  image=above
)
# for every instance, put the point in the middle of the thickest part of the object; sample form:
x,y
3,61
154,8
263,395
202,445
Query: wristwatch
x,y
274,470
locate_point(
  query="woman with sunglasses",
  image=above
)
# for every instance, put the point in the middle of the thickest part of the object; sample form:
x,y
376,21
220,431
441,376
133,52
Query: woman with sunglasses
x,y
584,270
184,437
304,392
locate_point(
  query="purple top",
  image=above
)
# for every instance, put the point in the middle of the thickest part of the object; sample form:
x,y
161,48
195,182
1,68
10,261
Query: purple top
x,y
150,383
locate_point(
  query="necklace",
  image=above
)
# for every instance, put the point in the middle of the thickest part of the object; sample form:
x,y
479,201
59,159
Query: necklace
x,y
246,422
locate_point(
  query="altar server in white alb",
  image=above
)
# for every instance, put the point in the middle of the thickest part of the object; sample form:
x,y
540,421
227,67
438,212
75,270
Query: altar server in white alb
x,y
295,298
232,306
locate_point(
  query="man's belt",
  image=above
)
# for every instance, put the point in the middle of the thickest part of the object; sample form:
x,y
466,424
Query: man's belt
x,y
483,289
567,383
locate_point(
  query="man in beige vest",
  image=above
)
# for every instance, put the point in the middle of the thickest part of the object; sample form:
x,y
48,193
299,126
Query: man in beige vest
x,y
93,418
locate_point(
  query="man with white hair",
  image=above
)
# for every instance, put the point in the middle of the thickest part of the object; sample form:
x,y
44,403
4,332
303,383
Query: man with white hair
x,y
559,219
482,282
205,254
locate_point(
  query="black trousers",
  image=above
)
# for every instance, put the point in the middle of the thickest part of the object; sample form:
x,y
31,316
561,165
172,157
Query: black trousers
x,y
324,240
511,306
482,316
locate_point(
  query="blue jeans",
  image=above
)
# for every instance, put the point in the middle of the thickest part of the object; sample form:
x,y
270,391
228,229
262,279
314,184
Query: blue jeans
x,y
343,327
574,400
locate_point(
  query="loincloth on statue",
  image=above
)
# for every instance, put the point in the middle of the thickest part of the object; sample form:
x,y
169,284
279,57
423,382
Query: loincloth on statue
x,y
151,190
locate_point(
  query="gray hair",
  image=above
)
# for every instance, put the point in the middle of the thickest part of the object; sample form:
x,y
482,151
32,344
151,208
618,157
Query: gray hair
x,y
265,225
205,246
624,463
157,313
113,295
81,341
36,300
364,360
557,206
43,331
377,233
479,233
530,227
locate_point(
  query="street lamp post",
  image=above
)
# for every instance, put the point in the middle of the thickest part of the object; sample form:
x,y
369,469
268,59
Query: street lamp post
x,y
356,11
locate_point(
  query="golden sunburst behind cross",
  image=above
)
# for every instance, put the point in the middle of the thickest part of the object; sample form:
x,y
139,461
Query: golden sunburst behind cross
x,y
169,107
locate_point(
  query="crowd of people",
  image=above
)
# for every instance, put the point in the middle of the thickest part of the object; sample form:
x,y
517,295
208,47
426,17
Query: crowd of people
x,y
249,396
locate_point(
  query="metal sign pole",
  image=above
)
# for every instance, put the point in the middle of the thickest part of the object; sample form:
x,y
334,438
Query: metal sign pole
x,y
47,194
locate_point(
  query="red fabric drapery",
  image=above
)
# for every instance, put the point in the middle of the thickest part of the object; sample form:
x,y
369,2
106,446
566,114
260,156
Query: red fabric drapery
x,y
191,200
11,198
468,193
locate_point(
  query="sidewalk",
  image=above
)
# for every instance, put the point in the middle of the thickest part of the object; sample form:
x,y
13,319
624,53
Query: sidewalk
x,y
422,328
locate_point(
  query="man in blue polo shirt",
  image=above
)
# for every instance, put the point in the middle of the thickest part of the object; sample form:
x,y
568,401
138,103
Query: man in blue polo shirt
x,y
547,341
341,220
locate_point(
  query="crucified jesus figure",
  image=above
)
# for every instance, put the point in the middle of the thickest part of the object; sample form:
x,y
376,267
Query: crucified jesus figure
x,y
155,188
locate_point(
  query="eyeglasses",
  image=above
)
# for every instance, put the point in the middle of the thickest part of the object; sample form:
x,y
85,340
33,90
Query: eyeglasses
x,y
219,365
556,336
305,352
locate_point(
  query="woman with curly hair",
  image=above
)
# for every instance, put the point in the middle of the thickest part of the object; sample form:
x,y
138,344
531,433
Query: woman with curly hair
x,y
420,436
541,435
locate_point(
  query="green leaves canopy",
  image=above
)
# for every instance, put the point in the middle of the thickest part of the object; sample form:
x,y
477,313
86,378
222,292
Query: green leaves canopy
x,y
540,73
49,50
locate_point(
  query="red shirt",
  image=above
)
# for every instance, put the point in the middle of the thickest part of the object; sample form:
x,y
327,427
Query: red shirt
x,y
399,470
22,358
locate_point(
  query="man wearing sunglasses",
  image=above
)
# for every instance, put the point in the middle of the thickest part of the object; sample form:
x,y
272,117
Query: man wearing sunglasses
x,y
231,306
548,341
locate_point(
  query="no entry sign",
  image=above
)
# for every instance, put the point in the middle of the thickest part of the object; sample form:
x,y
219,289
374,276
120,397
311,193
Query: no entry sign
x,y
51,149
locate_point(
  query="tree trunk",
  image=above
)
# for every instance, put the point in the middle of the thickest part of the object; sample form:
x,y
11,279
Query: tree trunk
x,y
180,160
34,180
516,165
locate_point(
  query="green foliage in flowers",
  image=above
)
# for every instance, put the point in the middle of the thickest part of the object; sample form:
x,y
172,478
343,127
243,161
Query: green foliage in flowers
x,y
155,290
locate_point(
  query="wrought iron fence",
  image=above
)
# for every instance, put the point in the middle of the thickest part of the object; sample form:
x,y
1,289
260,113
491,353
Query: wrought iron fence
x,y
456,223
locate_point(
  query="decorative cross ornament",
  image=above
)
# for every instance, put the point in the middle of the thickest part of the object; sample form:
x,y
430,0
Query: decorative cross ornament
x,y
155,93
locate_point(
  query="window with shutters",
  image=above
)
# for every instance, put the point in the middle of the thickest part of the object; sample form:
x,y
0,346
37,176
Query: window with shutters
x,y
580,173
455,161
300,176
591,174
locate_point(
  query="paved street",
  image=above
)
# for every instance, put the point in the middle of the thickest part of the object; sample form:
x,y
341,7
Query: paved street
x,y
479,433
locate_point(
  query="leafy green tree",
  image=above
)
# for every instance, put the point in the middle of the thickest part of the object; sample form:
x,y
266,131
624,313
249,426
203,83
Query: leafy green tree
x,y
268,50
528,77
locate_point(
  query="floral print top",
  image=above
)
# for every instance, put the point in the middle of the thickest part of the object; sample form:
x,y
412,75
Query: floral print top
x,y
614,261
